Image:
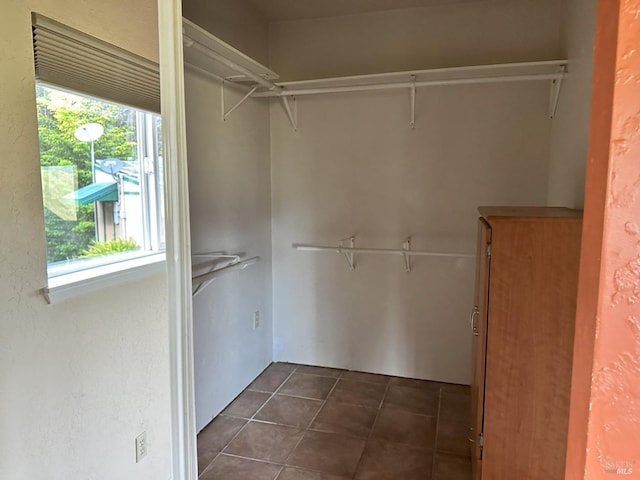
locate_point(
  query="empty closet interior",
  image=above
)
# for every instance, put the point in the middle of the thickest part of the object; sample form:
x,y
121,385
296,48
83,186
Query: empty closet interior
x,y
337,154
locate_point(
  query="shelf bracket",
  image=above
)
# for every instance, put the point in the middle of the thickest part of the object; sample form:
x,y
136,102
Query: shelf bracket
x,y
226,114
292,116
351,256
412,93
222,109
556,85
406,246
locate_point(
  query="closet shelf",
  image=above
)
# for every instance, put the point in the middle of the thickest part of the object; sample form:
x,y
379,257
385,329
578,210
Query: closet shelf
x,y
504,72
553,71
207,53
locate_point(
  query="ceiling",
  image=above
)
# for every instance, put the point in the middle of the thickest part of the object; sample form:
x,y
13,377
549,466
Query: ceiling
x,y
277,10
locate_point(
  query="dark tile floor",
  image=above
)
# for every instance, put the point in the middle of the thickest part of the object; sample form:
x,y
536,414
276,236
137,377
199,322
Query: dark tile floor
x,y
296,422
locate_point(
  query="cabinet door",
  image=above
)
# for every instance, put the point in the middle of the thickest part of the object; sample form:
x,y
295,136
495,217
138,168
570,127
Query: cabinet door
x,y
534,272
479,315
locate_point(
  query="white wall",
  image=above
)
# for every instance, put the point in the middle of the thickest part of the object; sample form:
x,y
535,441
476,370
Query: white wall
x,y
494,31
570,132
230,198
234,21
355,167
78,380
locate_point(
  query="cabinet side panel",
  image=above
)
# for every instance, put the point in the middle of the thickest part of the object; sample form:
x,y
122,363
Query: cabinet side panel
x,y
534,269
479,345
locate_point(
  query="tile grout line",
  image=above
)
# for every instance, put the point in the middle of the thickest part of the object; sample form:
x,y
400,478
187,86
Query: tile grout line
x,y
373,426
281,394
259,460
249,419
435,440
337,379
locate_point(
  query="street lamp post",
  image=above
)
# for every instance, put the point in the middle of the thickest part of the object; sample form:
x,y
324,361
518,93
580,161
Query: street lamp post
x,y
90,132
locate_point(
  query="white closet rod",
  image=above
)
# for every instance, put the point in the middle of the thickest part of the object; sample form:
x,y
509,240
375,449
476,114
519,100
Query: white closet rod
x,y
377,251
226,269
203,280
214,257
559,64
350,252
401,85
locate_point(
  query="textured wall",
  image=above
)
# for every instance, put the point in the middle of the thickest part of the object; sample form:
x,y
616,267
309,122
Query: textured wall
x,y
499,31
230,199
79,380
234,21
604,424
355,167
404,181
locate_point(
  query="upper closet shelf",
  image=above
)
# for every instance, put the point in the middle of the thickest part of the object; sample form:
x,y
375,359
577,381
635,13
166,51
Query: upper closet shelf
x,y
206,52
505,72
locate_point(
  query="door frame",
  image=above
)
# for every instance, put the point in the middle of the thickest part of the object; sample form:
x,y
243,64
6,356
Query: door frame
x,y
184,462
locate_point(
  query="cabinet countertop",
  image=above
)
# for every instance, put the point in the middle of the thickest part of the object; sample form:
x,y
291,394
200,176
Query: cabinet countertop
x,y
529,212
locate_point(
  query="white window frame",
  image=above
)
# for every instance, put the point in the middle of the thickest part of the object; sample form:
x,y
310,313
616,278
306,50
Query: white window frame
x,y
69,60
74,279
71,285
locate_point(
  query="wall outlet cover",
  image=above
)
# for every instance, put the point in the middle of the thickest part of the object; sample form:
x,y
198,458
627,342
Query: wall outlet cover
x,y
256,319
141,446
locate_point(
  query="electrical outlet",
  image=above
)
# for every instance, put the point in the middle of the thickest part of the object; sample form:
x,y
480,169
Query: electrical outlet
x,y
256,319
141,446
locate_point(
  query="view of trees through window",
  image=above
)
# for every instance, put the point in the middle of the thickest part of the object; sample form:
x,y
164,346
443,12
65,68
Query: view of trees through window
x,y
101,177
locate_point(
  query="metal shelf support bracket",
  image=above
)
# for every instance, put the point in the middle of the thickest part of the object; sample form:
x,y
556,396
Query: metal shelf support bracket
x,y
350,256
226,114
406,246
412,93
291,115
556,85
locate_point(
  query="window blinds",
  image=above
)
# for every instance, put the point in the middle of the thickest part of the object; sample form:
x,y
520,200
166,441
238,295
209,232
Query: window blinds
x,y
71,59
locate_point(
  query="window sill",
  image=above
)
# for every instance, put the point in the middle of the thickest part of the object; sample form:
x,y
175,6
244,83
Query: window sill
x,y
71,285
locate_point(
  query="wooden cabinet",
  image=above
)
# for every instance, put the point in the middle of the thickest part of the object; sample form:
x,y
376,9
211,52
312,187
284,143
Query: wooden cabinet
x,y
522,323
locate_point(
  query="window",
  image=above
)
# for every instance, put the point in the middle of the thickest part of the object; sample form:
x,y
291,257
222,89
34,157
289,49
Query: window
x,y
101,170
100,156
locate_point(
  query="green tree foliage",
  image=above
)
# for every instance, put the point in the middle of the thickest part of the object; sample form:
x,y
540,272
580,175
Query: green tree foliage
x,y
59,115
